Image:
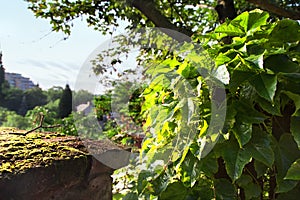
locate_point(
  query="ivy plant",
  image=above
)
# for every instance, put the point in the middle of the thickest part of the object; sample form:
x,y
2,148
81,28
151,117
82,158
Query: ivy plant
x,y
256,153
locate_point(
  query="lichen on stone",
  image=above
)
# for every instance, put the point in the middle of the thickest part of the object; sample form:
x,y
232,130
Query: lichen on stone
x,y
37,149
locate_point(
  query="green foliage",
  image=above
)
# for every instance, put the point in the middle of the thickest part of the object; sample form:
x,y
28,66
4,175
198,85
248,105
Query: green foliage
x,y
102,105
54,93
15,99
257,153
17,121
35,97
34,116
68,126
119,113
12,119
12,98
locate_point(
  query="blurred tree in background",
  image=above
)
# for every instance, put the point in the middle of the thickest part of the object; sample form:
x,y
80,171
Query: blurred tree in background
x,y
65,103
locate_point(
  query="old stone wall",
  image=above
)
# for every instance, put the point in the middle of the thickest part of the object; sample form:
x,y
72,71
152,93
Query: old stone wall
x,y
53,167
74,179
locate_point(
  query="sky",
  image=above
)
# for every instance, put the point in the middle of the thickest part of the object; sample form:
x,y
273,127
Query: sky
x,y
30,48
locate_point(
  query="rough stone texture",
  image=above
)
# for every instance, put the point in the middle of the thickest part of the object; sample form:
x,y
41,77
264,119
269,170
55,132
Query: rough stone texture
x,y
75,176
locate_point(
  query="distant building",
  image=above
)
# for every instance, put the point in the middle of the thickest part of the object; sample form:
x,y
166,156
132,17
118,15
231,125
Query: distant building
x,y
18,81
85,108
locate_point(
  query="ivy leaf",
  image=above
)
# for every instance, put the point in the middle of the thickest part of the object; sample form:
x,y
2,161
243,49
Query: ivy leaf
x,y
241,21
235,159
265,85
224,189
190,170
285,31
222,59
251,189
260,168
256,19
142,181
257,60
183,69
260,147
286,153
159,82
295,129
174,191
246,113
292,76
131,196
294,171
291,195
237,77
295,98
250,21
160,183
242,132
231,29
281,63
272,108
208,164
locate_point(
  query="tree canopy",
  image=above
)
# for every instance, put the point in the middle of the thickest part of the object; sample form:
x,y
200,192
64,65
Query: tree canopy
x,y
186,16
207,137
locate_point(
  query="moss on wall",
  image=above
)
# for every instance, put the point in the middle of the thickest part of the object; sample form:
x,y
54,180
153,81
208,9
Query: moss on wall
x,y
21,152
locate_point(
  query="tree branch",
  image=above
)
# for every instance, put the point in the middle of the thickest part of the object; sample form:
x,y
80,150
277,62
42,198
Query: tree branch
x,y
268,6
147,7
42,117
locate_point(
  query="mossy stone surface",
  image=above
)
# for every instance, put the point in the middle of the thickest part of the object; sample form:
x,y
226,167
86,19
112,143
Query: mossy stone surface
x,y
19,153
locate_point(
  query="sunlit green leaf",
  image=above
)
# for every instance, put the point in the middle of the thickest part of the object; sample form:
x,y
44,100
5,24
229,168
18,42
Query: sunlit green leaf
x,y
257,60
256,19
222,59
190,170
230,30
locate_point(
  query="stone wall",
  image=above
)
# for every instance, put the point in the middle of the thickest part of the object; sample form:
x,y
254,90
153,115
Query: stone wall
x,y
74,176
74,179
